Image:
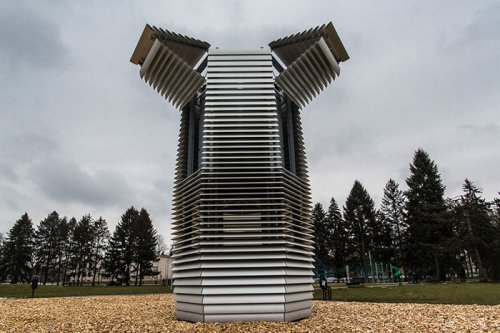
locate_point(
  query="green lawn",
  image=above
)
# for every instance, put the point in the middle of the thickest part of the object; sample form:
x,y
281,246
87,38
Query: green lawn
x,y
453,293
464,293
24,290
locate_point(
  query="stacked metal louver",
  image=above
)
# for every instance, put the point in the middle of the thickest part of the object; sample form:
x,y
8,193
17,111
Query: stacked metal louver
x,y
312,58
242,231
167,60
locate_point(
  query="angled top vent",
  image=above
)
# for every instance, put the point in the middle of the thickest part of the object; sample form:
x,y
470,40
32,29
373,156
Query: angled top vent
x,y
167,63
312,58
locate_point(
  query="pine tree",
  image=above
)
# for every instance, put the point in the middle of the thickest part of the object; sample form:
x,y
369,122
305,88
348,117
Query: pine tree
x,y
100,233
321,235
382,239
496,209
494,265
63,238
337,241
46,240
429,229
392,213
475,229
120,256
144,246
112,264
67,246
361,224
17,259
82,248
2,240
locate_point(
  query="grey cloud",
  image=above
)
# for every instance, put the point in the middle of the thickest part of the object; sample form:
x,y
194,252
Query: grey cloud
x,y
488,130
64,181
486,136
163,184
10,197
95,139
7,172
28,146
29,39
20,150
484,28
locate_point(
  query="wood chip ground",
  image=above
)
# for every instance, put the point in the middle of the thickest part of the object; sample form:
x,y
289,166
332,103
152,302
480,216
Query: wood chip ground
x,y
156,313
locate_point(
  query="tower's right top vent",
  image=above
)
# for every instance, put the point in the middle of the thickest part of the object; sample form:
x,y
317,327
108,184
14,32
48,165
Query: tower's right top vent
x,y
312,60
291,47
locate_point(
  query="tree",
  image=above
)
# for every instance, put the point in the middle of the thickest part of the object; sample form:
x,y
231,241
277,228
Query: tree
x,y
430,235
112,264
144,246
82,248
2,240
120,256
17,251
100,233
63,238
476,232
494,270
67,248
365,234
321,234
132,248
47,247
336,244
392,212
496,209
161,246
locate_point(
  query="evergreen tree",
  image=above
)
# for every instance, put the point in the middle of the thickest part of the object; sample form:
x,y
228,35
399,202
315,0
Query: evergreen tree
x,y
476,232
321,234
99,243
82,248
63,237
430,235
120,256
67,248
2,237
144,246
112,263
337,233
494,269
47,249
17,259
361,225
392,213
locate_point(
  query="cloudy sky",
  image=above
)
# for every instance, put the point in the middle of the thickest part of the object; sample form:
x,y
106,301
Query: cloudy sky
x,y
81,133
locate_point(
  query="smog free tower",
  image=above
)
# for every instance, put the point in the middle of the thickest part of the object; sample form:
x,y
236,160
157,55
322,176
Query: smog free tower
x,y
242,231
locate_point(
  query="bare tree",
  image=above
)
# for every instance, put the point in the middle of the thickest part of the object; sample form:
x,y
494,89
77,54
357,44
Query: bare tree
x,y
161,246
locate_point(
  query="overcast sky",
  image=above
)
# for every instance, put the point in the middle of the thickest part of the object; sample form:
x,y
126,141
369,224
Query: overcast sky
x,y
81,133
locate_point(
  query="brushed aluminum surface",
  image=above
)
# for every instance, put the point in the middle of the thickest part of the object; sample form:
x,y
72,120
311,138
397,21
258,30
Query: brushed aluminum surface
x,y
242,231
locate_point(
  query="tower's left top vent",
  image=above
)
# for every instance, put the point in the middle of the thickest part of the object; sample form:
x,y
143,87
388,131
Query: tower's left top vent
x,y
167,63
188,48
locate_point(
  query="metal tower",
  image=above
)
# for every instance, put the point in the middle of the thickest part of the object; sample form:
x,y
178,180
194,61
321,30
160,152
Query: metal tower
x,y
242,230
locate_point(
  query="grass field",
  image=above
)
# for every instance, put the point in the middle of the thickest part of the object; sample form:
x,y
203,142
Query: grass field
x,y
24,290
453,293
464,293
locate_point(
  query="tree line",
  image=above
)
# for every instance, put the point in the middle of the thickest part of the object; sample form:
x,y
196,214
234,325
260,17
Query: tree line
x,y
65,250
419,230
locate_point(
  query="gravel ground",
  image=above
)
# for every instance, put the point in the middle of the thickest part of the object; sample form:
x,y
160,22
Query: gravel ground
x,y
156,313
